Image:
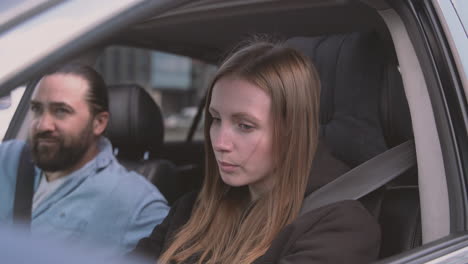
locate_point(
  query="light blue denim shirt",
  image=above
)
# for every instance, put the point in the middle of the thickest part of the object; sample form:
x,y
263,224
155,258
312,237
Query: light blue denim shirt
x,y
101,205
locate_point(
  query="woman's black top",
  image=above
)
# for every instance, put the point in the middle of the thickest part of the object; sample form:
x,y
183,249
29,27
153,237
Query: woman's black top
x,y
343,232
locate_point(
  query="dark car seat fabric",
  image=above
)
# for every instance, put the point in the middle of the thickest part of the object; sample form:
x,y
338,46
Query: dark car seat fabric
x,y
400,218
395,114
363,113
136,130
351,75
325,168
363,109
136,124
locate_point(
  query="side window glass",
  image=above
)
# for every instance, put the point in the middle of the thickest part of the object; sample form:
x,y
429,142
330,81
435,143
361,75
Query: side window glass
x,y
461,6
176,83
8,105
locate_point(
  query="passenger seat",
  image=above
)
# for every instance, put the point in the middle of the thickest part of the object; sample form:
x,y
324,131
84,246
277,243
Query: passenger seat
x,y
136,130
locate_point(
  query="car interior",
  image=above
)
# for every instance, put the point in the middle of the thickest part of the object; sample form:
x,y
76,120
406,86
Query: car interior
x,y
371,101
363,113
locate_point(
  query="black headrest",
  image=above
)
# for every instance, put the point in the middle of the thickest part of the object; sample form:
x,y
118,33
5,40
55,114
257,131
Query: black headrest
x,y
352,70
136,124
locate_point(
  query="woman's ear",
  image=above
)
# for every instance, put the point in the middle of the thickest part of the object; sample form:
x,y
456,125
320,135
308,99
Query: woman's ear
x,y
100,123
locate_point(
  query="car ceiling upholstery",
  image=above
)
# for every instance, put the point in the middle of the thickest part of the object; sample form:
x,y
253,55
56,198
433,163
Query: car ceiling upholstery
x,y
198,33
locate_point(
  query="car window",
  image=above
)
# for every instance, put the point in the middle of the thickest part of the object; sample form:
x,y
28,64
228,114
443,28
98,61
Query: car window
x,y
461,6
176,83
8,105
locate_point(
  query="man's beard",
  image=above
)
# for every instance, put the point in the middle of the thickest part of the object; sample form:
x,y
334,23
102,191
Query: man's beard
x,y
60,156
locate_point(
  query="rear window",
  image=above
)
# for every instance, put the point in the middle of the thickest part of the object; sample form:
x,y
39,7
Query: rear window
x,y
176,83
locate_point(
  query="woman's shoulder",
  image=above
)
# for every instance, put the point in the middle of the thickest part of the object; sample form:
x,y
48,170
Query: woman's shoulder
x,y
342,232
345,228
347,214
182,208
345,208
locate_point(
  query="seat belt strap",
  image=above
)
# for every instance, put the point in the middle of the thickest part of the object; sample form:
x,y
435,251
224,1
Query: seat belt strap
x,y
365,178
24,188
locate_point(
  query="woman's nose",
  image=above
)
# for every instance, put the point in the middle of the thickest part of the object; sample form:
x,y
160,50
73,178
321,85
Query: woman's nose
x,y
222,139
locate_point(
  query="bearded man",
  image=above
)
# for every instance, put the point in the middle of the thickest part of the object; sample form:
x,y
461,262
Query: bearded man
x,y
81,192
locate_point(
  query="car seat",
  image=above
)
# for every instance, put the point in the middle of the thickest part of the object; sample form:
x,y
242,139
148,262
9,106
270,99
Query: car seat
x,y
363,113
136,131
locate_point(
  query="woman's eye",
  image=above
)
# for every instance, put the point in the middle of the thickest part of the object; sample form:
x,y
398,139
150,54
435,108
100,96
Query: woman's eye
x,y
245,127
216,119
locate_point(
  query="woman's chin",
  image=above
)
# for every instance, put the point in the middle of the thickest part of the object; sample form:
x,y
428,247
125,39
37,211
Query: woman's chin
x,y
232,180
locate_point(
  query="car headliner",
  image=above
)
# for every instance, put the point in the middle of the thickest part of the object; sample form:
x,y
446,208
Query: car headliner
x,y
196,31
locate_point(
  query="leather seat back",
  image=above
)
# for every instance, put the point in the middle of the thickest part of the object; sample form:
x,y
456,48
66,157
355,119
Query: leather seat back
x,y
136,125
136,130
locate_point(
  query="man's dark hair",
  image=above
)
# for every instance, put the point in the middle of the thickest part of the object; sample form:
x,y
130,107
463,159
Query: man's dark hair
x,y
97,93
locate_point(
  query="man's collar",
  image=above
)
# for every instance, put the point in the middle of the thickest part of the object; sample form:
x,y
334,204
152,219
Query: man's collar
x,y
105,155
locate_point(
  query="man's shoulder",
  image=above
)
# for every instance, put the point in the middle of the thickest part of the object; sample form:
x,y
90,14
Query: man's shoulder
x,y
128,182
14,145
118,190
10,151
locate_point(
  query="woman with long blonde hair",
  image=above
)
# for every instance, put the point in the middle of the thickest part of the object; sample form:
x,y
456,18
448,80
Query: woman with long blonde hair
x,y
261,133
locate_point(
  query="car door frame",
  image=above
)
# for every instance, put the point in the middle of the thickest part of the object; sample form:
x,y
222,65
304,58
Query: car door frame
x,y
449,104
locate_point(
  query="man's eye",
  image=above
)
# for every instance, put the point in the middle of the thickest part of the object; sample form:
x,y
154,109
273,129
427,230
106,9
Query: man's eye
x,y
61,111
35,108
